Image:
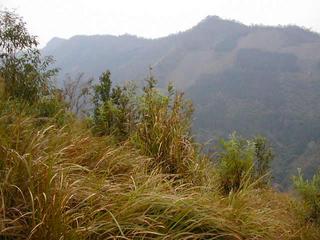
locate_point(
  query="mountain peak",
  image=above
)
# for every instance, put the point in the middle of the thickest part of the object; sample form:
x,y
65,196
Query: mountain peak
x,y
55,43
212,22
212,18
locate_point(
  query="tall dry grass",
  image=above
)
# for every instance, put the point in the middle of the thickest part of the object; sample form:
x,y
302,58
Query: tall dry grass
x,y
64,183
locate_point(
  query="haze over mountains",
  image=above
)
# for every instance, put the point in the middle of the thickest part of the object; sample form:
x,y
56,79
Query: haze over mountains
x,y
249,79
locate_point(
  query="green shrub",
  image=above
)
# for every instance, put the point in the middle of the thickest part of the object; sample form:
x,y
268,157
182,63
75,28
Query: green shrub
x,y
263,158
114,111
242,162
309,191
235,163
52,109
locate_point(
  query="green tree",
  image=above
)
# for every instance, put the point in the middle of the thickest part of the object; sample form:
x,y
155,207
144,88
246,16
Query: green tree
x,y
102,90
103,113
25,72
114,112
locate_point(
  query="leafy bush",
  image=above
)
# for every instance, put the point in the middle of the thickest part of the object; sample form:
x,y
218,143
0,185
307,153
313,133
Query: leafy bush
x,y
52,109
309,191
235,163
242,162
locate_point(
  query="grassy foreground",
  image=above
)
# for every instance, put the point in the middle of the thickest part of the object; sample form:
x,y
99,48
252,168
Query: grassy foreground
x,y
61,182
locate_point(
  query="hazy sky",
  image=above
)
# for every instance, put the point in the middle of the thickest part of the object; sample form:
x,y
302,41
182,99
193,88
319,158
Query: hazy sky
x,y
150,18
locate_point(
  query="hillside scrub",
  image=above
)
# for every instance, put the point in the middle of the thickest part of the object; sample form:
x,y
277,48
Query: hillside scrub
x,y
63,182
110,176
309,191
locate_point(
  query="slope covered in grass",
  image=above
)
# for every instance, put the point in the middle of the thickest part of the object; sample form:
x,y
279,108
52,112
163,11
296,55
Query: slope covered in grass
x,y
61,182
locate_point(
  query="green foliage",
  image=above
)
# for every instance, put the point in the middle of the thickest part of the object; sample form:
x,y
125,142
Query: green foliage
x,y
103,90
235,163
14,35
309,191
124,100
26,74
114,112
47,110
263,158
242,162
52,109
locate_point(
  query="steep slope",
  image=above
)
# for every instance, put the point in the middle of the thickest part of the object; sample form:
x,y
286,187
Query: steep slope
x,y
249,79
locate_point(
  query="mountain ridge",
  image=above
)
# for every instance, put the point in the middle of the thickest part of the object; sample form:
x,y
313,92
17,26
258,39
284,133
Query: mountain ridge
x,y
204,20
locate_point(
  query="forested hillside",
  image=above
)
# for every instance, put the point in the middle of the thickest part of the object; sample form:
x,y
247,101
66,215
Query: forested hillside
x,y
249,79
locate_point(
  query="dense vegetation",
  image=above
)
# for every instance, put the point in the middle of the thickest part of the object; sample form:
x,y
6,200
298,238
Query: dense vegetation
x,y
130,169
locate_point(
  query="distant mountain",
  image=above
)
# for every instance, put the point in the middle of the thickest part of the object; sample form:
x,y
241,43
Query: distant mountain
x,y
249,79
